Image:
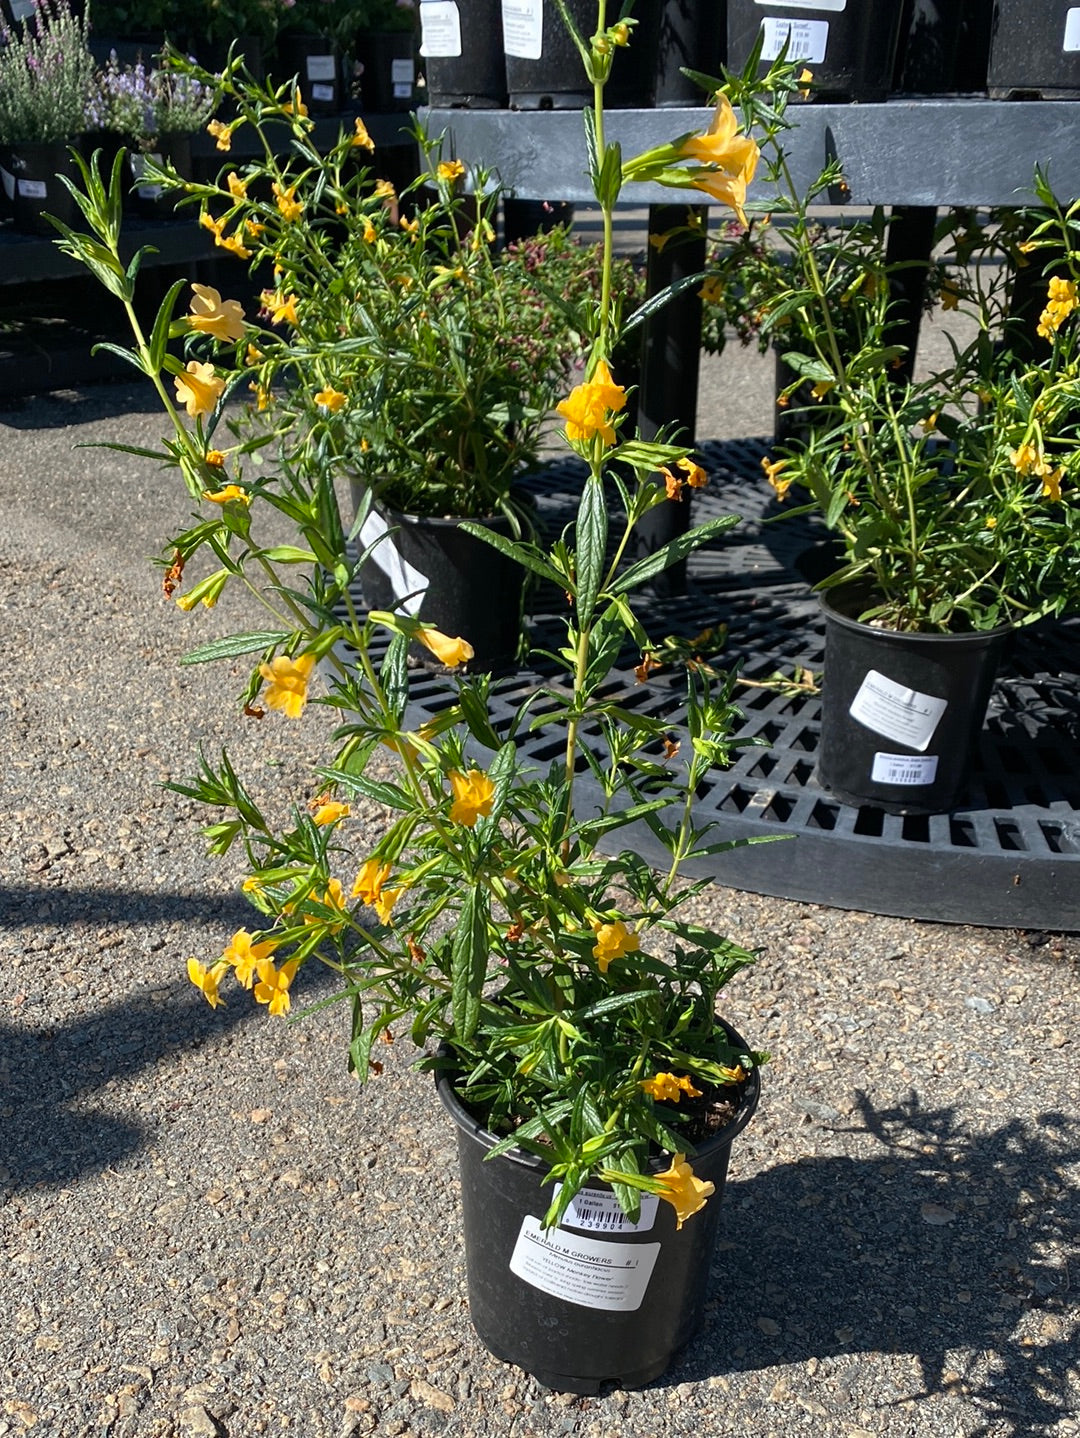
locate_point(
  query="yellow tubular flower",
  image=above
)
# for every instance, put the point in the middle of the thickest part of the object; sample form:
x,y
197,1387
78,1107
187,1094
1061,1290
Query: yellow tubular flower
x,y
222,134
361,137
290,207
1051,486
370,880
587,407
244,956
287,683
232,493
613,941
330,813
233,245
695,475
450,170
451,652
237,186
682,1190
211,315
273,985
331,399
282,308
474,794
772,471
384,190
385,902
730,158
199,389
207,980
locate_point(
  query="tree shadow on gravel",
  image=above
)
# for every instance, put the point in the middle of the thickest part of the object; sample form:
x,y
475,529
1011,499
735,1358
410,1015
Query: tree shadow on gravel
x,y
99,904
82,405
953,1246
45,1073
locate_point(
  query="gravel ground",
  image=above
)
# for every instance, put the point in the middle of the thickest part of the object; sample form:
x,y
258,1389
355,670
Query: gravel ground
x,y
207,1229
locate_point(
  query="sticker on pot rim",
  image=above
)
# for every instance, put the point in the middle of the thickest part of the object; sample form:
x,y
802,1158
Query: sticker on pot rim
x,y
320,67
404,579
897,712
33,189
523,28
836,5
910,769
440,29
611,1276
598,1209
1071,42
805,39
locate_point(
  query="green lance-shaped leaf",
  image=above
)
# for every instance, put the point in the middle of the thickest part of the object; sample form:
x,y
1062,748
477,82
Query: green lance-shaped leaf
x,y
524,554
234,644
468,962
591,544
672,553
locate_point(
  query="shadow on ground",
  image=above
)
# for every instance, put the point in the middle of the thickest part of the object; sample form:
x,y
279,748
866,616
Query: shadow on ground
x,y
26,907
953,1246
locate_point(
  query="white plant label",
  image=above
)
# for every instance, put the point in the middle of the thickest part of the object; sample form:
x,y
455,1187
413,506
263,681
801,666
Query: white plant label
x,y
33,189
1071,43
611,1276
403,577
897,712
322,92
321,67
523,28
598,1209
138,170
402,78
911,769
836,5
805,39
440,29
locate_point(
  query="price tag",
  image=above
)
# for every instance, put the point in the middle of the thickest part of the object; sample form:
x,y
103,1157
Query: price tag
x,y
598,1209
33,189
805,39
1071,43
523,28
321,67
440,29
913,769
322,92
897,712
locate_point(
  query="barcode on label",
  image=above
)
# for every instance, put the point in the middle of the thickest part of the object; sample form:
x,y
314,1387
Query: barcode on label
x,y
904,769
599,1211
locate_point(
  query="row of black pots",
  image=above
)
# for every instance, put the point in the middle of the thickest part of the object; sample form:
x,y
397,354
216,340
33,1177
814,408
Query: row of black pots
x,y
900,711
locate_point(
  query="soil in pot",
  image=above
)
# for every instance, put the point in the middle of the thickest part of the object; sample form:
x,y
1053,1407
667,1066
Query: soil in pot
x,y
901,712
598,1299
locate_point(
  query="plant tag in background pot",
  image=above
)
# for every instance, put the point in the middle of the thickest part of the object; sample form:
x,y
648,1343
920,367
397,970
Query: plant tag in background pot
x,y
911,769
598,1209
896,711
805,39
611,1276
440,30
523,28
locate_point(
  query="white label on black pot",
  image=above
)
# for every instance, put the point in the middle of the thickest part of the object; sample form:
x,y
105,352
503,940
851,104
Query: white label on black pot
x,y
612,1276
523,28
897,712
322,92
836,5
138,170
33,189
805,39
402,78
404,579
904,768
598,1209
1072,30
440,29
321,67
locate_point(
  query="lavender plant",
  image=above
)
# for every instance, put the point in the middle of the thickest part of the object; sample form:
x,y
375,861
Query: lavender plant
x,y
142,104
46,77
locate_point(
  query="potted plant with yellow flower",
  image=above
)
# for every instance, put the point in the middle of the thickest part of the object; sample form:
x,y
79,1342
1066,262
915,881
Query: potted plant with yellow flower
x,y
950,499
554,983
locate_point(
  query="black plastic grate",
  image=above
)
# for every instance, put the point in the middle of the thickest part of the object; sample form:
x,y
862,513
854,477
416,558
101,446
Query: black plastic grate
x,y
1010,857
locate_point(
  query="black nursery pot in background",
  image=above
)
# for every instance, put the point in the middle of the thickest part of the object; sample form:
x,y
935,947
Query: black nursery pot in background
x,y
850,48
317,67
29,174
693,36
386,63
927,53
901,712
461,48
544,70
1035,50
596,1300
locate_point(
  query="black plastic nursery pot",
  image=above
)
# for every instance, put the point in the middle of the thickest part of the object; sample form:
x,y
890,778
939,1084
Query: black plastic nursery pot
x,y
901,712
386,64
693,36
461,47
434,570
29,174
926,60
849,47
316,64
544,70
597,1300
1035,50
